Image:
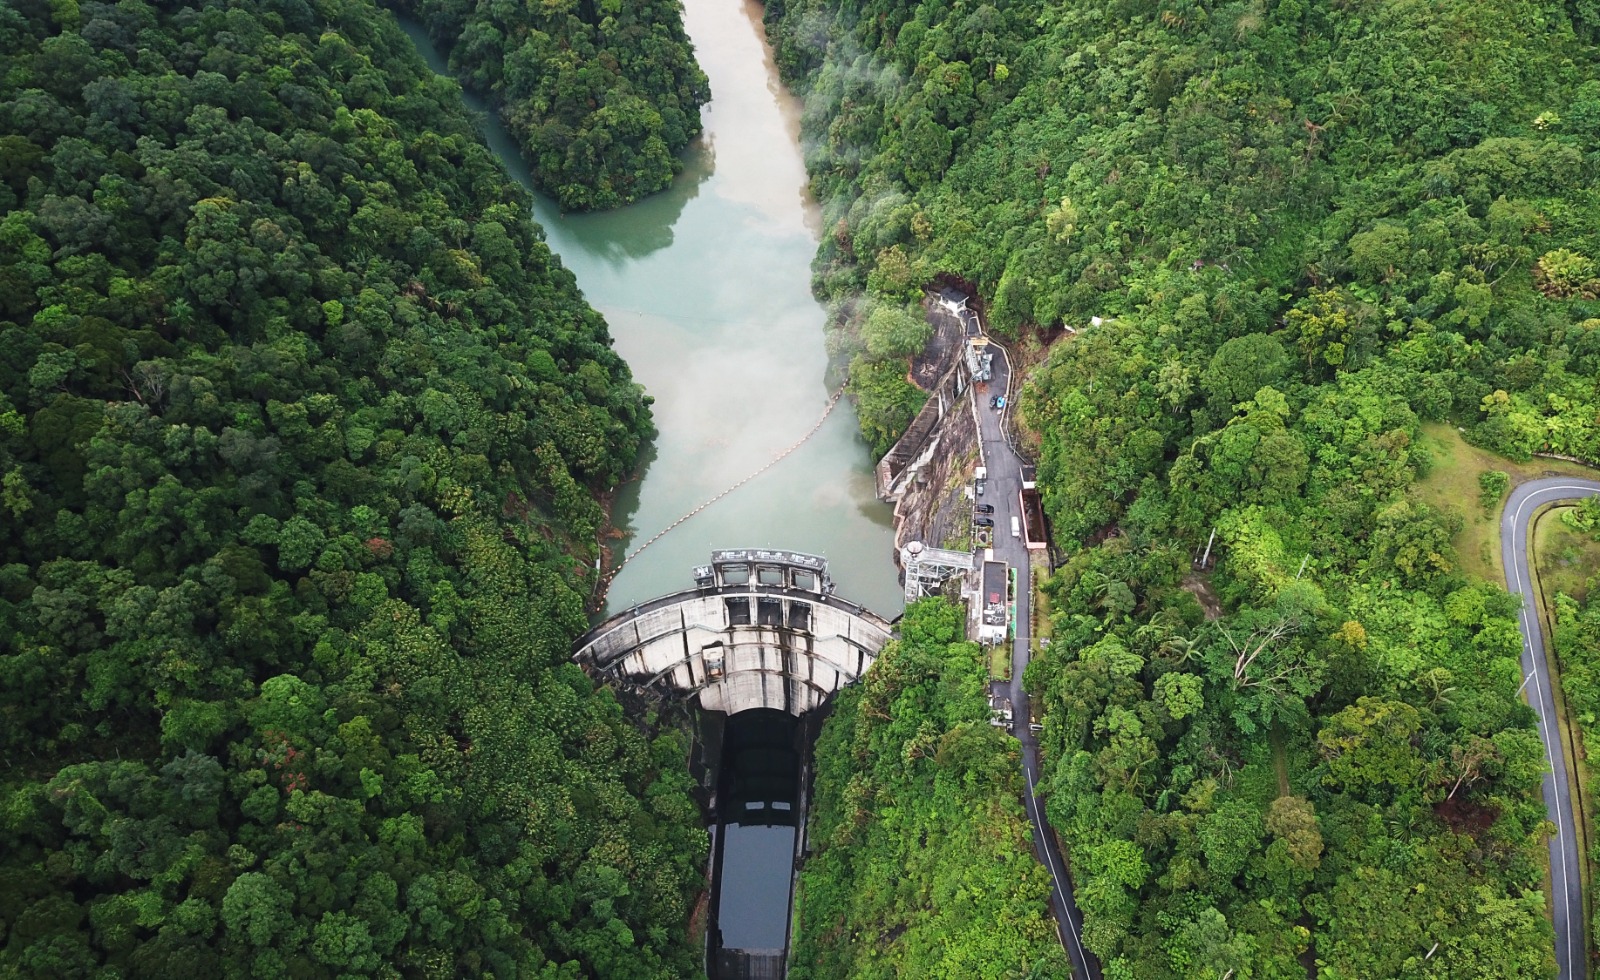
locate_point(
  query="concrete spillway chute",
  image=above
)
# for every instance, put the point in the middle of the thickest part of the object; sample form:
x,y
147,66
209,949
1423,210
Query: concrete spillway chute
x,y
761,629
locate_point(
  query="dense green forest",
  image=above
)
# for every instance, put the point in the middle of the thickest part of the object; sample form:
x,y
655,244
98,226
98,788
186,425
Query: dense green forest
x,y
1336,771
1311,228
1575,619
921,864
300,428
602,95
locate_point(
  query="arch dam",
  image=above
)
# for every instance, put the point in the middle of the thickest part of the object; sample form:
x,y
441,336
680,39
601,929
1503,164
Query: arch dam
x,y
760,629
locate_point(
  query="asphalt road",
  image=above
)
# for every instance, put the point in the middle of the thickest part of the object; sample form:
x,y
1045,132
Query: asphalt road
x,y
1004,493
1565,869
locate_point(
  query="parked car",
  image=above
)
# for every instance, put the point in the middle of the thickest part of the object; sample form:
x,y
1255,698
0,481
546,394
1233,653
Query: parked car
x,y
999,401
984,522
985,508
994,401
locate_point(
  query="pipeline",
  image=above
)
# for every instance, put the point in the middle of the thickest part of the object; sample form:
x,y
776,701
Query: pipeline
x,y
604,585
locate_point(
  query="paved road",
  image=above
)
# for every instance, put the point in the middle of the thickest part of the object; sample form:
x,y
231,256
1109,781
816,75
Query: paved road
x,y
1565,876
1005,485
1005,494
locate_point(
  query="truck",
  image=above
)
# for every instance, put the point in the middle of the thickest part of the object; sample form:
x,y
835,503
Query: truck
x,y
979,477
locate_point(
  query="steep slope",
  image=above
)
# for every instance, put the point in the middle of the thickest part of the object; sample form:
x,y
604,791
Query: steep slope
x,y
1309,228
300,428
909,773
602,96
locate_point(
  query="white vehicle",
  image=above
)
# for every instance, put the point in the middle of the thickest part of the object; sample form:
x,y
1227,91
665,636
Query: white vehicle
x,y
1016,528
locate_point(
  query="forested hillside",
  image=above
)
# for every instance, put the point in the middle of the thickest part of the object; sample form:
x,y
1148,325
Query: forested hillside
x,y
1311,228
1575,616
300,424
602,96
922,866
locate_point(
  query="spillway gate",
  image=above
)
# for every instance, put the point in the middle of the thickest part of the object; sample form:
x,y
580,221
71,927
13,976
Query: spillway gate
x,y
760,629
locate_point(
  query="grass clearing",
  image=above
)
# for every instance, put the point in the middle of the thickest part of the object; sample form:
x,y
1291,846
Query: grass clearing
x,y
1452,485
1000,662
1565,559
1040,612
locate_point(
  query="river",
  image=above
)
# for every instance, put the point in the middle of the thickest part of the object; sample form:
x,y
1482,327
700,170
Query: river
x,y
706,287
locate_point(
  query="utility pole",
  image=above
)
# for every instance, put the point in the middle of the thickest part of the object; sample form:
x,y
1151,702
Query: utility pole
x,y
1207,556
1302,566
1524,684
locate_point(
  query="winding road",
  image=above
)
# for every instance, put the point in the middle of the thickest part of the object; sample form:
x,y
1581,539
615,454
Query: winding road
x,y
1005,493
1565,859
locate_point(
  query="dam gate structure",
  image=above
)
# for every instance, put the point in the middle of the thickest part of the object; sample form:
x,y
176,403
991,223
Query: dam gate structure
x,y
759,642
760,629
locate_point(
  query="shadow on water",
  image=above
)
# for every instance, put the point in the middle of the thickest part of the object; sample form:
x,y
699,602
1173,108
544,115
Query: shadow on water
x,y
625,505
613,237
645,226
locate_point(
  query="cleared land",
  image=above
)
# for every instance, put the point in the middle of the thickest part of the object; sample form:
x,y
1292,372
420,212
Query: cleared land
x,y
1566,560
1452,485
1000,662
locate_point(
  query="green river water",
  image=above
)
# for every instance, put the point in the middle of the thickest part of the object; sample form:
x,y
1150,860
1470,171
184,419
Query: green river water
x,y
706,288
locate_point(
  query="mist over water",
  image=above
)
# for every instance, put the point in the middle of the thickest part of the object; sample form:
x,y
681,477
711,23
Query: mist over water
x,y
706,287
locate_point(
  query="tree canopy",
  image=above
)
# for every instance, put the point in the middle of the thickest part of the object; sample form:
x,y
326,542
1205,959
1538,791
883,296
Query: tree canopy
x,y
301,425
1308,229
602,97
1360,182
921,864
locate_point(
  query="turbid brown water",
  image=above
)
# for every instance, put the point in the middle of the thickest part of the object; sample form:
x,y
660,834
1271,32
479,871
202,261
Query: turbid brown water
x,y
706,289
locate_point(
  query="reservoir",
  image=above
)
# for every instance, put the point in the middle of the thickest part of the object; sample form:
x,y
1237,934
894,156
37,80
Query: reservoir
x,y
706,287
